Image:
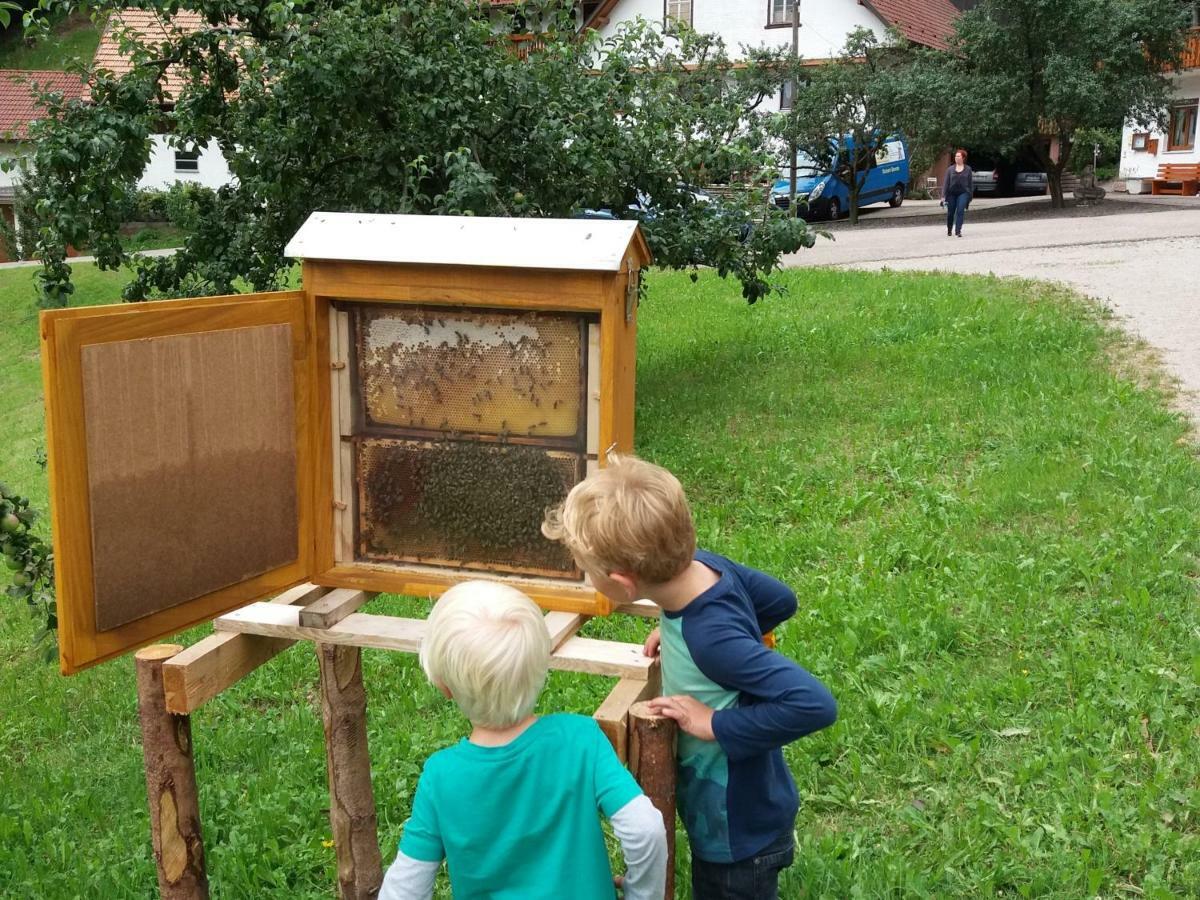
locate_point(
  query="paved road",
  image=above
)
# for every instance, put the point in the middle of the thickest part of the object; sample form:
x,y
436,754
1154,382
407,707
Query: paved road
x,y
1142,259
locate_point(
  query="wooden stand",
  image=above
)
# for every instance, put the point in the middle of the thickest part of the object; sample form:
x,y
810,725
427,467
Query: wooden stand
x,y
170,783
173,684
652,761
351,800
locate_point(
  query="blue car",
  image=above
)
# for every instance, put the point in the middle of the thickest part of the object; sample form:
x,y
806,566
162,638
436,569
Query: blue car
x,y
820,195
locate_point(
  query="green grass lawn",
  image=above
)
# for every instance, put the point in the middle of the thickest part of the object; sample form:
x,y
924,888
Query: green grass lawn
x,y
992,535
72,40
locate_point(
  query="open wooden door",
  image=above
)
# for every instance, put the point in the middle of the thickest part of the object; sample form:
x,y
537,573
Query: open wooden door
x,y
180,444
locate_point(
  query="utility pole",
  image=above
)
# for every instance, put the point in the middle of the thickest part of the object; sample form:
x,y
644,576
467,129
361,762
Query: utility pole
x,y
795,89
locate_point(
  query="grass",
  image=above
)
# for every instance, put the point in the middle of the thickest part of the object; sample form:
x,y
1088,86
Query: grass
x,y
73,40
153,237
993,537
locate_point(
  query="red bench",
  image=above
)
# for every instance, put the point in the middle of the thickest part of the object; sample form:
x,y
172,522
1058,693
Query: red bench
x,y
1177,178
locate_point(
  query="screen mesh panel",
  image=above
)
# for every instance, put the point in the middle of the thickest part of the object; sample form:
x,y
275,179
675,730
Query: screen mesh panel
x,y
470,371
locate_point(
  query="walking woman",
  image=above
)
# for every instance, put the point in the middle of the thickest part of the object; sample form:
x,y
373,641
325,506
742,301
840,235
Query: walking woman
x,y
957,191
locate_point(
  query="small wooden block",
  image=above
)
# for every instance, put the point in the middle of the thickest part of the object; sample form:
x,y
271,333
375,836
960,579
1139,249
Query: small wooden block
x,y
208,667
333,607
563,625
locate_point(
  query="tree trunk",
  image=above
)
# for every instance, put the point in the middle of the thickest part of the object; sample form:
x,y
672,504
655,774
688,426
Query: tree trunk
x,y
652,762
351,799
170,783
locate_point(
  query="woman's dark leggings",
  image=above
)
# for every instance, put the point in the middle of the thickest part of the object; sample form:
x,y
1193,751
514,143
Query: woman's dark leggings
x,y
956,205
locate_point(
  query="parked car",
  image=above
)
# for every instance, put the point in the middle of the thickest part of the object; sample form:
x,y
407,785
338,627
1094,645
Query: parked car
x,y
824,196
1030,183
987,177
645,210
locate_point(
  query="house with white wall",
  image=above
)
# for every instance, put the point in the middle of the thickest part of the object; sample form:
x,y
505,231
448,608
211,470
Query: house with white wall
x,y
1144,151
824,24
169,163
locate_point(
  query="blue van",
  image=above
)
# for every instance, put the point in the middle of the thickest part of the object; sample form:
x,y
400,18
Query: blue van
x,y
827,198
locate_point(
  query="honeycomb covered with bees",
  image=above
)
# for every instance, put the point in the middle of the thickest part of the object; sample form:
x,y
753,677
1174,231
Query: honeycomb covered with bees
x,y
469,423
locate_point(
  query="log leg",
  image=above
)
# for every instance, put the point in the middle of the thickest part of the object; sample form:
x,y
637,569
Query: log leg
x,y
170,783
351,800
652,761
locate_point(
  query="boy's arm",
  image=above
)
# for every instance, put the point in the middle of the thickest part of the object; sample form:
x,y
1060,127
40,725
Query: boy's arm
x,y
774,602
786,702
409,879
639,827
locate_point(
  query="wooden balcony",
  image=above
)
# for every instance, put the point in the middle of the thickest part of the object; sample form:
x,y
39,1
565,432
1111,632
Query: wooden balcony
x,y
525,44
1191,54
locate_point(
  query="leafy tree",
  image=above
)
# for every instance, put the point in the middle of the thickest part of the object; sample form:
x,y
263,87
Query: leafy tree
x,y
413,107
1022,72
843,111
28,560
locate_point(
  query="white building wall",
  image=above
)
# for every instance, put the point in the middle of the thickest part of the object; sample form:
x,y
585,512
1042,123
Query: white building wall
x,y
1141,164
824,24
161,172
11,150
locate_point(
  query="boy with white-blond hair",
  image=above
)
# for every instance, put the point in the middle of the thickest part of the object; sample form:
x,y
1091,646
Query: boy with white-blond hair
x,y
737,701
514,808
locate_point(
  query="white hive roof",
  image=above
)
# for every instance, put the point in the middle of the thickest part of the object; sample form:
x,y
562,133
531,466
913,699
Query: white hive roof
x,y
596,245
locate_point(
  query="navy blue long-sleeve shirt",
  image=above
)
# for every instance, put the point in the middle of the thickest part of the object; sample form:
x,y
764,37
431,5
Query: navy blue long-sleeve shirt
x,y
736,795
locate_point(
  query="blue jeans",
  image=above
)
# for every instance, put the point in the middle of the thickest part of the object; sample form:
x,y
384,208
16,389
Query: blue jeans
x,y
756,878
956,205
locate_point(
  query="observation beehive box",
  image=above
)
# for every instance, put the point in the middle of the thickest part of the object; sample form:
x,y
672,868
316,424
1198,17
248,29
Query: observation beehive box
x,y
399,424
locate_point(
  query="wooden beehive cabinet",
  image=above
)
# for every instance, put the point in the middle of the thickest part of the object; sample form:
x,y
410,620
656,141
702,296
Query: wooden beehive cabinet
x,y
398,425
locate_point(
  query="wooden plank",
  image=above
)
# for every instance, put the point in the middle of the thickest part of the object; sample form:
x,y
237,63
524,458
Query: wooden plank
x,y
392,633
64,333
646,609
333,607
427,581
593,391
341,417
563,625
456,286
219,661
613,714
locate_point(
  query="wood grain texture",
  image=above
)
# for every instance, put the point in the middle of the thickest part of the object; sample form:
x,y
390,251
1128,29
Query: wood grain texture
x,y
652,761
170,783
219,661
333,607
613,714
352,815
64,334
576,654
417,581
457,286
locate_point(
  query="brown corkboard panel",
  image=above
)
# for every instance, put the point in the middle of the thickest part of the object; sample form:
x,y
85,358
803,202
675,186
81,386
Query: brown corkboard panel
x,y
191,461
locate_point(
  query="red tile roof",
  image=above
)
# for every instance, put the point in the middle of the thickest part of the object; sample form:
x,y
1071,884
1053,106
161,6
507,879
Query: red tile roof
x,y
151,28
19,105
927,22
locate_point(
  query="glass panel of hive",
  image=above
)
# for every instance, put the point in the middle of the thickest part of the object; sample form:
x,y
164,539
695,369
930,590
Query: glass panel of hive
x,y
467,504
471,371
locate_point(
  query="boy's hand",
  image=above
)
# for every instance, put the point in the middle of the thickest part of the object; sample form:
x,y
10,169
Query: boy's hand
x,y
653,641
692,716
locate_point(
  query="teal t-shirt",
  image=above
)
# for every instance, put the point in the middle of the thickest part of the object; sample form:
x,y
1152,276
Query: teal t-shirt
x,y
522,821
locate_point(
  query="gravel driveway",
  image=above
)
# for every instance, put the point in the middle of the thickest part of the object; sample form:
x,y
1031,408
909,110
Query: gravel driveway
x,y
1142,258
